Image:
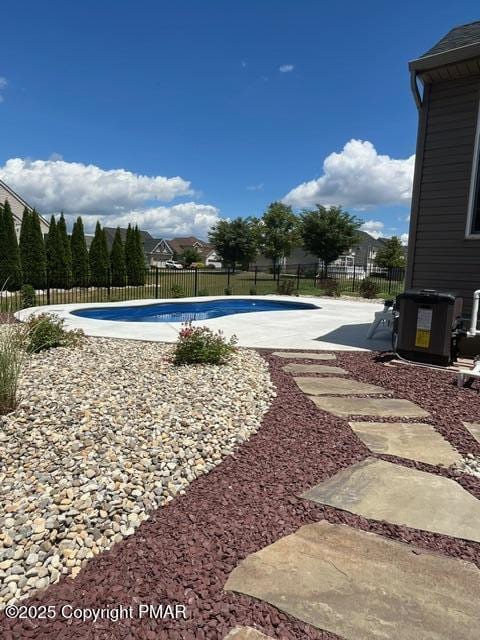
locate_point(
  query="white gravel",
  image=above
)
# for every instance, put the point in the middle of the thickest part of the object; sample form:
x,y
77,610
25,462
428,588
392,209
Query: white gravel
x,y
469,464
103,434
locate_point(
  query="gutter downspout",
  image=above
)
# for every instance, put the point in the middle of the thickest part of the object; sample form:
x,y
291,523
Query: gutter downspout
x,y
473,331
415,91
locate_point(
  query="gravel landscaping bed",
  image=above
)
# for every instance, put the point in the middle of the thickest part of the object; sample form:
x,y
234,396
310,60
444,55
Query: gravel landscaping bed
x,y
105,433
185,551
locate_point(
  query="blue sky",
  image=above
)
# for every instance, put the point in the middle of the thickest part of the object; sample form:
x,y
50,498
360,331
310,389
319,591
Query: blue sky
x,y
176,113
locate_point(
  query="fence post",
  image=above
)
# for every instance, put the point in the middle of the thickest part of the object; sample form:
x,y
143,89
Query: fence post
x,y
353,281
156,282
228,276
389,280
256,272
298,277
196,281
48,288
109,280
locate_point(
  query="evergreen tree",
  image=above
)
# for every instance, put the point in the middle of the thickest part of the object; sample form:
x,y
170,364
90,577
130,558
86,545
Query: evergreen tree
x,y
98,258
10,269
32,250
38,258
117,261
79,253
139,258
130,255
51,252
67,251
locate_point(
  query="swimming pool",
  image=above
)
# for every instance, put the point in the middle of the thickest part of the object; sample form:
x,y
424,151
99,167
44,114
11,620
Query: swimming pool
x,y
187,311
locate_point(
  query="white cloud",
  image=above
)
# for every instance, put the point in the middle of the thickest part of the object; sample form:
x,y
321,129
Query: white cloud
x,y
357,177
255,187
404,238
374,228
184,219
55,185
286,68
3,84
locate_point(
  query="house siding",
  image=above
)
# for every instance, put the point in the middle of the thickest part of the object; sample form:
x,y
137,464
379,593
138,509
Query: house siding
x,y
441,257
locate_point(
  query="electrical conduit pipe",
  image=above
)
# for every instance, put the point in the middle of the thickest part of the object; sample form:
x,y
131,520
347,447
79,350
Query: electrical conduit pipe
x,y
473,323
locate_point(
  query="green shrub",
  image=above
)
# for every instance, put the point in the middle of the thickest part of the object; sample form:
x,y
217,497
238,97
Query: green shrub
x,y
176,291
253,291
228,291
285,287
368,288
332,287
203,292
11,360
46,331
27,293
200,345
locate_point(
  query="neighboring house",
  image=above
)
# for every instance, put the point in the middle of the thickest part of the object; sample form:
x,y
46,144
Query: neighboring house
x,y
361,255
206,251
444,244
17,205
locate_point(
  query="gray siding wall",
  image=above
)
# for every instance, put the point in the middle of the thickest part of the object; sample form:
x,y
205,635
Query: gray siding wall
x,y
17,207
443,258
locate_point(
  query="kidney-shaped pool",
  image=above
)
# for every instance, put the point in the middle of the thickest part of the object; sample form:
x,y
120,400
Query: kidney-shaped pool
x,y
186,311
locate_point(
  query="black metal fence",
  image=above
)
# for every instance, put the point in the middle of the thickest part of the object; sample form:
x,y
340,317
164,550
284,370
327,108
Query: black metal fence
x,y
173,283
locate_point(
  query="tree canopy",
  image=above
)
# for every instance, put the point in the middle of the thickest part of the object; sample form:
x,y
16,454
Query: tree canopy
x,y
391,255
189,256
235,241
278,232
327,233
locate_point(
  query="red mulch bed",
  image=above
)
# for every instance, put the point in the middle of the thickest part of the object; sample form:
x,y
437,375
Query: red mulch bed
x,y
186,550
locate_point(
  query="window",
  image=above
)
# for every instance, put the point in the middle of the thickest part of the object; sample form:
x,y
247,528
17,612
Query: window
x,y
473,217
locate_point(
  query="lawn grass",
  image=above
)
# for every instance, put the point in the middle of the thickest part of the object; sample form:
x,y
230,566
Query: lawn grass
x,y
207,283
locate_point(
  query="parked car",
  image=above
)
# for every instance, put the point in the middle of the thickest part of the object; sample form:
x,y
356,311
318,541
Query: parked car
x,y
171,264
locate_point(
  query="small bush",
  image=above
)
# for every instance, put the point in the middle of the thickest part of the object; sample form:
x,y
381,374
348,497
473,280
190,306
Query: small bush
x,y
332,287
11,360
368,288
253,291
285,287
203,292
228,291
176,291
46,331
27,293
200,345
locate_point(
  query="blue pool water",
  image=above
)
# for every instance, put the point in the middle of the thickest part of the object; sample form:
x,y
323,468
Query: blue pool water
x,y
186,311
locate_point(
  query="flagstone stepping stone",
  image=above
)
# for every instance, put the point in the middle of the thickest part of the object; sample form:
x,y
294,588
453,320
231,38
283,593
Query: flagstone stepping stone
x,y
313,368
391,492
362,586
246,633
309,355
474,429
381,407
412,440
343,386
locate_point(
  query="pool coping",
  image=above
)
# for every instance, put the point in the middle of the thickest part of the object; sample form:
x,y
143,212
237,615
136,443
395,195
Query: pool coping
x,y
276,330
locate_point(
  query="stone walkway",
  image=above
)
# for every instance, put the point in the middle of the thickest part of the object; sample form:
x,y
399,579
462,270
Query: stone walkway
x,y
360,585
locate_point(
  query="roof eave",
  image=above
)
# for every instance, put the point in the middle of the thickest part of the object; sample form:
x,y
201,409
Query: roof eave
x,y
446,57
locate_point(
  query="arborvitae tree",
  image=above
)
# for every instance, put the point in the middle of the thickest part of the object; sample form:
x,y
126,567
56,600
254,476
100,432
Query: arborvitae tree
x,y
67,251
98,258
38,278
117,261
130,254
79,255
32,250
10,269
139,258
51,251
